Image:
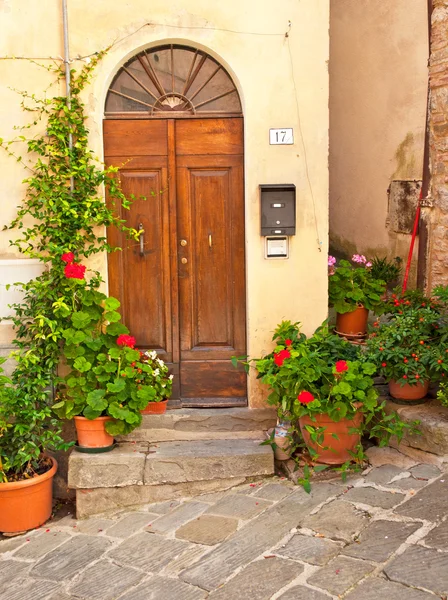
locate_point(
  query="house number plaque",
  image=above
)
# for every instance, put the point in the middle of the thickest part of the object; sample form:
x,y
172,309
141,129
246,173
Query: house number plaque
x,y
281,136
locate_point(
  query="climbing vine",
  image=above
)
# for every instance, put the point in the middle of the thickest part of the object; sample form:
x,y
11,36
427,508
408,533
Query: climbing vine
x,y
63,211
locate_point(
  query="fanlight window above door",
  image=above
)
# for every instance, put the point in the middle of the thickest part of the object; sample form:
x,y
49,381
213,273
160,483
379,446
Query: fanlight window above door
x,y
172,81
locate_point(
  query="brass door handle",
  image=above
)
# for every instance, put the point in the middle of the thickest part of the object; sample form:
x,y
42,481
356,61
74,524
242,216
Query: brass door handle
x,y
141,239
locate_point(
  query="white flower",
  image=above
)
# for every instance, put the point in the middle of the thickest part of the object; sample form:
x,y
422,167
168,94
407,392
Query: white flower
x,y
171,377
156,372
161,363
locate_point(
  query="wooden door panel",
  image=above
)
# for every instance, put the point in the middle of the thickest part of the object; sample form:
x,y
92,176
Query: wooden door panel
x,y
213,379
135,138
209,136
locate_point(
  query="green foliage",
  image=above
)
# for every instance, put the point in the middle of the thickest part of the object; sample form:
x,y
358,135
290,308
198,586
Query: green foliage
x,y
386,270
350,286
55,217
108,376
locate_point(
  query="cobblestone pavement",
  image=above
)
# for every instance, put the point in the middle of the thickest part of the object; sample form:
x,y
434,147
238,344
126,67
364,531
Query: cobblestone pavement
x,y
382,535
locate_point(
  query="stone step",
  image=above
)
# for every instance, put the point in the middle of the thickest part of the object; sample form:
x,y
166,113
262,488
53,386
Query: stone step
x,y
433,427
192,424
138,473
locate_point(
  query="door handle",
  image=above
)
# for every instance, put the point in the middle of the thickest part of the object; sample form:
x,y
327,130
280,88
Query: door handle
x,y
141,239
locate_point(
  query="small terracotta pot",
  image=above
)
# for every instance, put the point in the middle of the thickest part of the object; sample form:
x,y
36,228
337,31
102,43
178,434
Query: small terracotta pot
x,y
352,323
91,432
26,504
155,408
408,392
281,451
333,451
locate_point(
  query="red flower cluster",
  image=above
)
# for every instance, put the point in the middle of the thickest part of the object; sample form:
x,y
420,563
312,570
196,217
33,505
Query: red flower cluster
x,y
341,366
74,271
305,397
68,257
288,342
280,357
126,340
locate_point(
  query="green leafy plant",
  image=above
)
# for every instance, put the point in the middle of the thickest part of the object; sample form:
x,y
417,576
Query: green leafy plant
x,y
63,211
386,270
108,376
351,285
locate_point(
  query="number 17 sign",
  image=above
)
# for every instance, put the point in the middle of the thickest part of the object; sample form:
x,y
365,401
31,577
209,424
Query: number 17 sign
x,y
281,136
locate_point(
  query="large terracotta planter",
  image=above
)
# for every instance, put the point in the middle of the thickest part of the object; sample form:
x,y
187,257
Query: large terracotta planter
x,y
91,432
408,392
333,451
352,323
26,504
155,408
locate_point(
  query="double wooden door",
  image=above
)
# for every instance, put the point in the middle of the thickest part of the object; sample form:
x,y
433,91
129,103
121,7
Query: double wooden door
x,y
182,286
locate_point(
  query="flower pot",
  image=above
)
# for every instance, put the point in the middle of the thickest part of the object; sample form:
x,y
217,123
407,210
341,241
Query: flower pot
x,y
282,447
353,323
155,408
408,392
91,432
333,451
26,504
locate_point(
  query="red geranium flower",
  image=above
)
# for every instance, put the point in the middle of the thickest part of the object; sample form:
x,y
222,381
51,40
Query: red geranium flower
x,y
288,342
68,257
126,340
74,271
281,356
341,366
305,397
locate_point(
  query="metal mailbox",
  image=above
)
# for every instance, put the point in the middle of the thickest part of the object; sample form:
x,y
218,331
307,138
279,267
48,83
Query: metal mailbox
x,y
278,209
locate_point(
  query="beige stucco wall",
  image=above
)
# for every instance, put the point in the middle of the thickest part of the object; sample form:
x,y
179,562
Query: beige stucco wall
x,y
378,89
283,82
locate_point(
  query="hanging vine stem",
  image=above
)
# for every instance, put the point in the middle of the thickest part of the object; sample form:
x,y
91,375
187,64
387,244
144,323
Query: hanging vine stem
x,y
53,218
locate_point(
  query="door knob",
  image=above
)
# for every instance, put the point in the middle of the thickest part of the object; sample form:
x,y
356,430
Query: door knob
x,y
183,261
183,242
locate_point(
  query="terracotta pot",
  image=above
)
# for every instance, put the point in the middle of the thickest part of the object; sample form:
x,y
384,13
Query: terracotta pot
x,y
281,451
352,323
333,451
26,504
408,392
91,432
155,408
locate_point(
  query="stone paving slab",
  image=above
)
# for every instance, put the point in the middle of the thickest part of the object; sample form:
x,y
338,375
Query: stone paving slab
x,y
256,537
29,589
94,526
239,506
38,546
313,550
207,529
260,580
161,588
340,574
375,588
149,552
438,537
300,592
428,503
131,524
179,516
11,570
373,497
274,492
421,567
425,472
185,560
105,581
385,474
380,539
73,556
338,520
406,484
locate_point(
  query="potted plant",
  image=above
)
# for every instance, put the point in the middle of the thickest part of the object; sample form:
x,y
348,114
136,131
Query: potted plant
x,y
110,382
353,291
27,431
325,387
386,270
410,349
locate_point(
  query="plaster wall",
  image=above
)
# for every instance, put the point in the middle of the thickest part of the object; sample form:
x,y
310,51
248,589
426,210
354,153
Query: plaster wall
x,y
283,82
378,91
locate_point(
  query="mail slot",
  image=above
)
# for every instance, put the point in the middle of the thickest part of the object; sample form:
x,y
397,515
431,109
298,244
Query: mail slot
x,y
278,209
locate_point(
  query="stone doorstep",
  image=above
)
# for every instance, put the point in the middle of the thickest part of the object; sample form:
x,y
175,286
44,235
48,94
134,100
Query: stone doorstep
x,y
433,426
170,463
201,424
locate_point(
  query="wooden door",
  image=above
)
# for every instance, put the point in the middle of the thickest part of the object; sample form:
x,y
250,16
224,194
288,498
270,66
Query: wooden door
x,y
183,292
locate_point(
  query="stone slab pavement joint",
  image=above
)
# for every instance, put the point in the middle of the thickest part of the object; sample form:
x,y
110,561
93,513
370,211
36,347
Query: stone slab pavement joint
x,y
260,580
428,503
149,552
178,517
373,497
389,456
105,581
30,589
438,537
385,474
131,524
375,588
300,592
256,537
425,471
161,588
340,574
273,492
239,506
42,544
421,567
338,520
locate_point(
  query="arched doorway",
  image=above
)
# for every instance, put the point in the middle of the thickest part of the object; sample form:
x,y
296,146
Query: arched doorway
x,y
173,124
